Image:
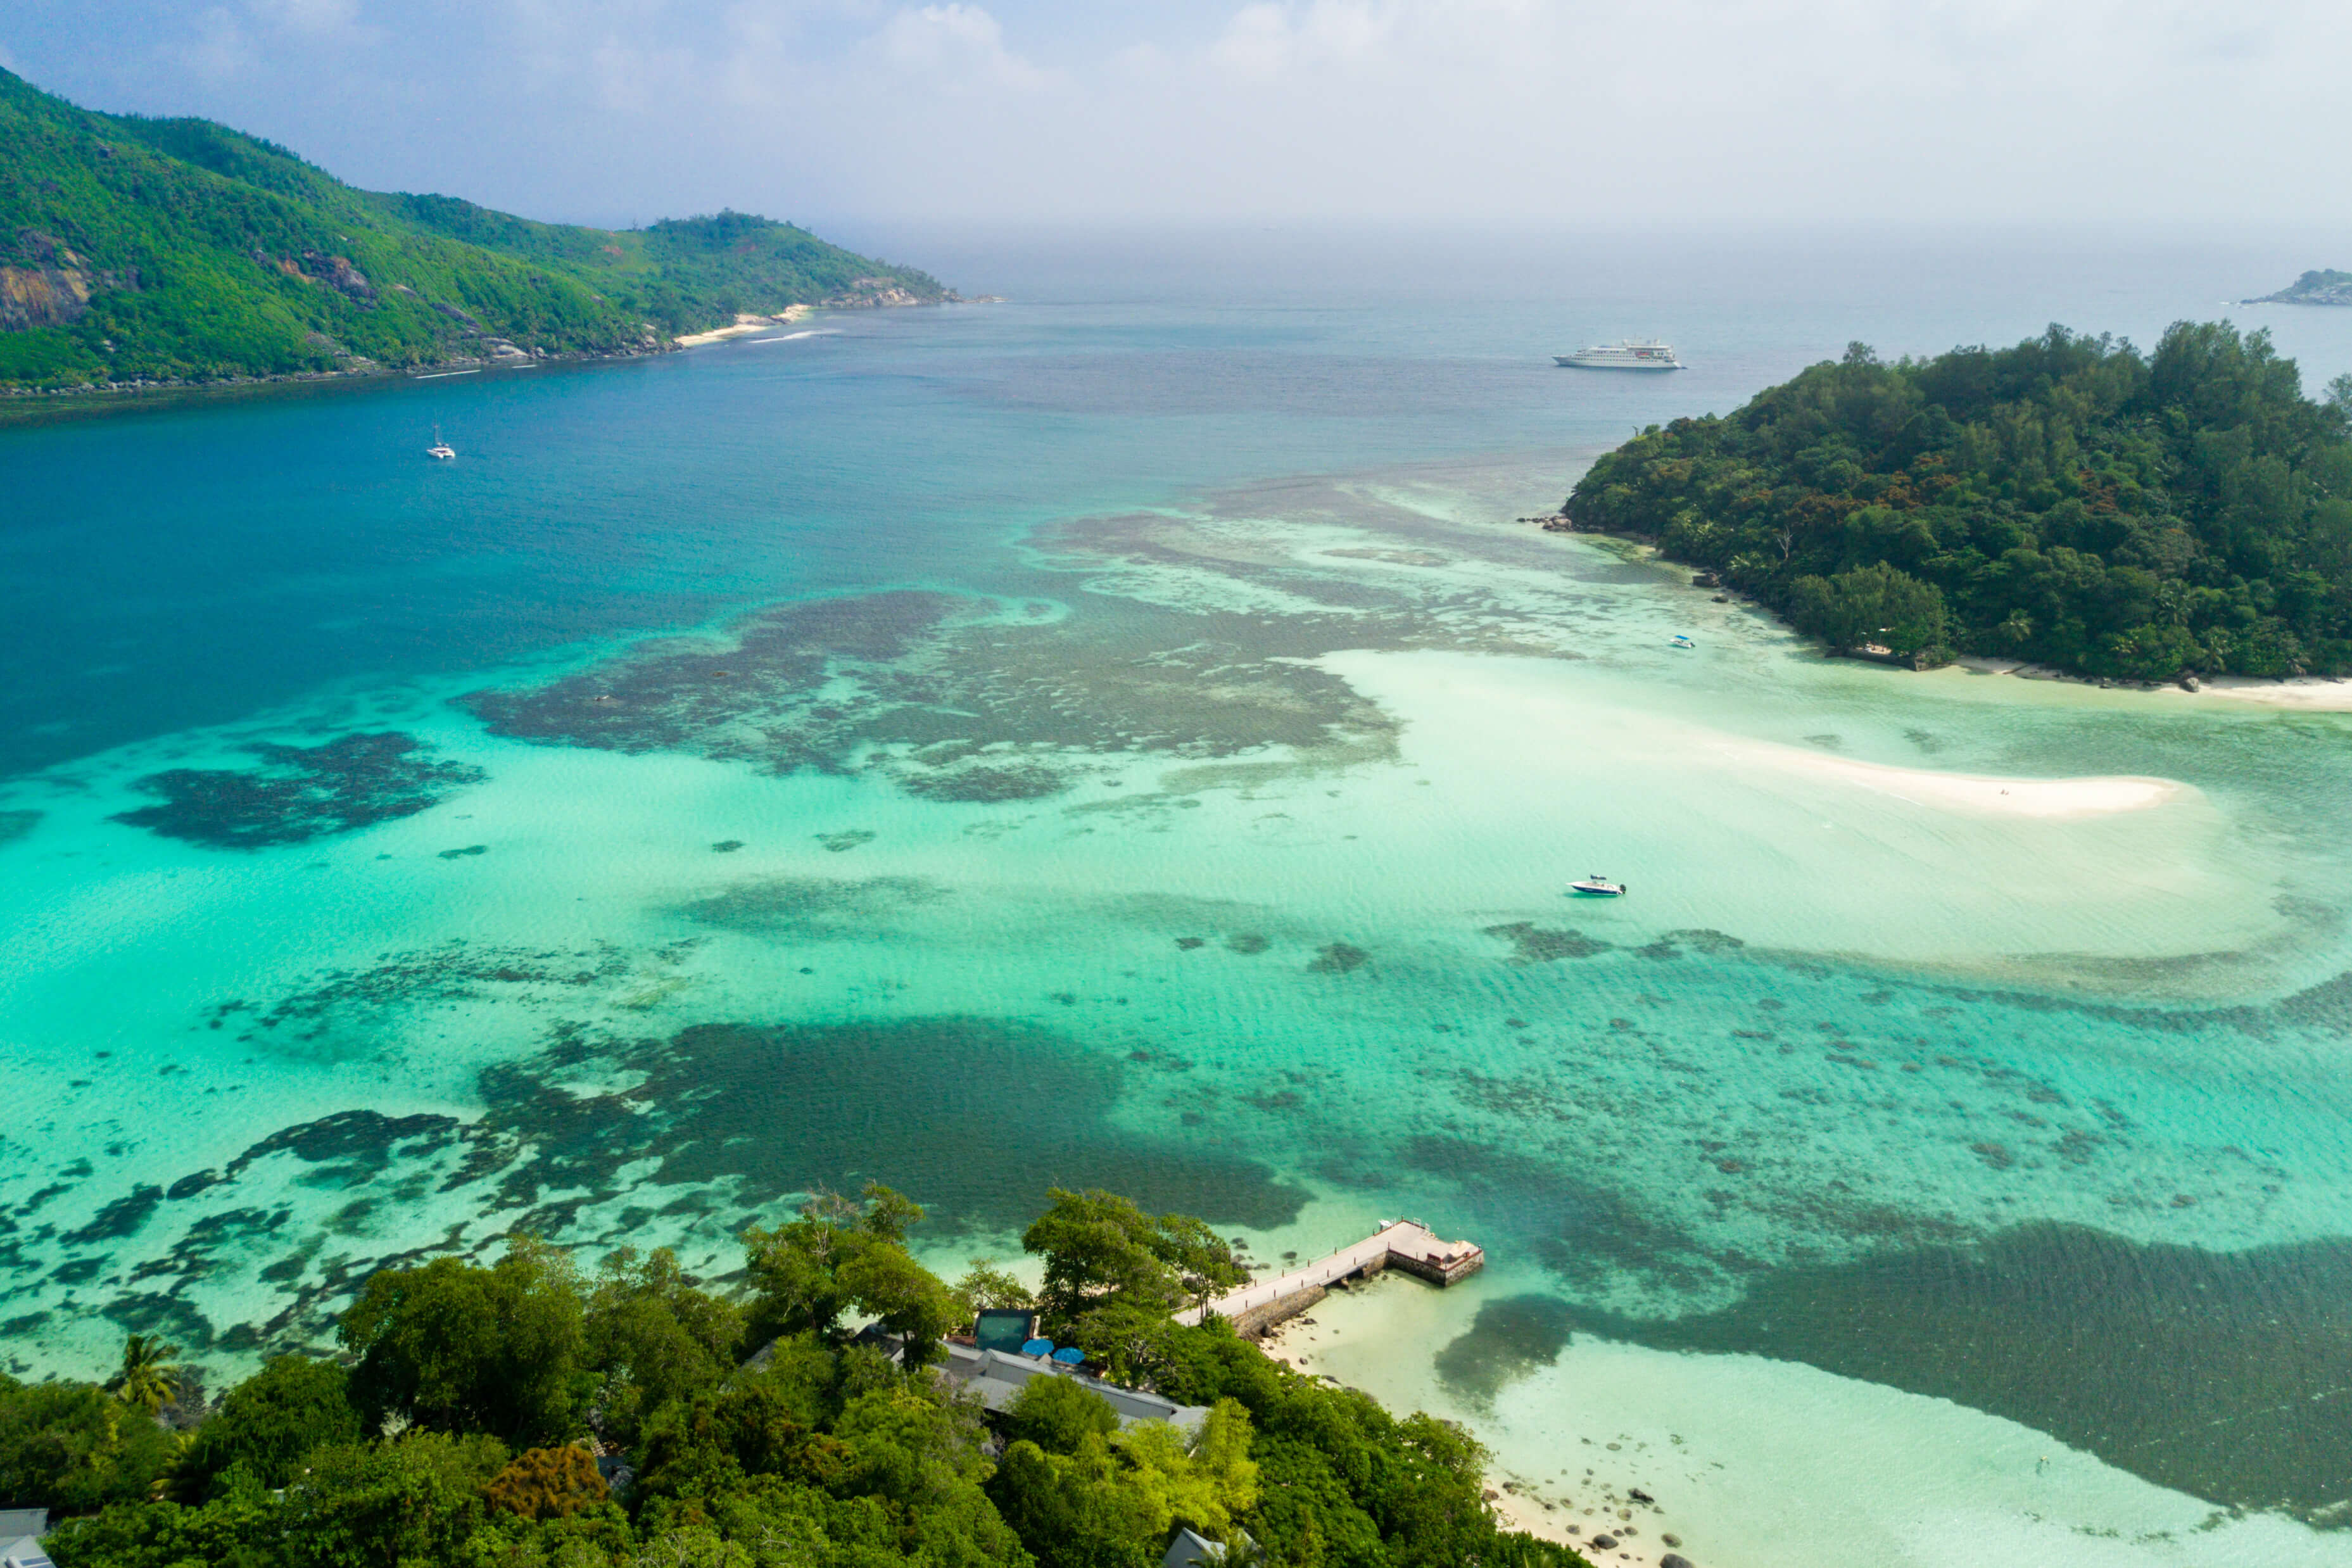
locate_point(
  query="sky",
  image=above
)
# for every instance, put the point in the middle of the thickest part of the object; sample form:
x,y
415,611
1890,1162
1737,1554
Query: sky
x,y
2150,115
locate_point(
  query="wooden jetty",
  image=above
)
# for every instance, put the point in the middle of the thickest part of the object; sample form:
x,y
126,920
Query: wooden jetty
x,y
1405,1244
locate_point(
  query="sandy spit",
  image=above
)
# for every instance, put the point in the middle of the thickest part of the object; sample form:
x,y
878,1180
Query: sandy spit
x,y
746,323
2050,799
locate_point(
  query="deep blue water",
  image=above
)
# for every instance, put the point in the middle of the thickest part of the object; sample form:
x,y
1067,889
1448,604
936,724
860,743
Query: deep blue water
x,y
191,566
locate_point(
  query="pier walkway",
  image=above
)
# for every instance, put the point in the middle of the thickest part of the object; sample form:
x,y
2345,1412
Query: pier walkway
x,y
1404,1244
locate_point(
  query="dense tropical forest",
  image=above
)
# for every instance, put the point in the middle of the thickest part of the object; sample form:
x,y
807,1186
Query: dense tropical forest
x,y
2071,501
179,250
526,1414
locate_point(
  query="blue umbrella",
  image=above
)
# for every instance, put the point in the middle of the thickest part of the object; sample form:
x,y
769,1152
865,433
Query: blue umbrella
x,y
1069,1355
1037,1347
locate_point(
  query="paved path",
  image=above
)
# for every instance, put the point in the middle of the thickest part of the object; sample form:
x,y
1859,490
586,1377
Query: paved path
x,y
1406,1242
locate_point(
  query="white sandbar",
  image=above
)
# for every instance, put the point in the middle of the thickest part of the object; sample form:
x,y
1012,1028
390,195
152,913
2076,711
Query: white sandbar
x,y
2059,799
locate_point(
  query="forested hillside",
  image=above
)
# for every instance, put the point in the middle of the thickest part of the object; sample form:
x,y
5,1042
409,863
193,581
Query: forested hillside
x,y
2071,501
524,1415
179,250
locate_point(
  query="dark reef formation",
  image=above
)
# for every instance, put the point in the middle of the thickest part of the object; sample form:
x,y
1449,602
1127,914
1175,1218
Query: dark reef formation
x,y
300,793
955,701
2219,1374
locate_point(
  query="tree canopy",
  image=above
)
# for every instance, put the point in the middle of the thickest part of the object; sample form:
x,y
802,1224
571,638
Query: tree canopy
x,y
841,1255
518,1415
2070,500
1102,1251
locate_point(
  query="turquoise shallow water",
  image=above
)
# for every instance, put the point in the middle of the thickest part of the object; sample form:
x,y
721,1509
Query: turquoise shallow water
x,y
1092,740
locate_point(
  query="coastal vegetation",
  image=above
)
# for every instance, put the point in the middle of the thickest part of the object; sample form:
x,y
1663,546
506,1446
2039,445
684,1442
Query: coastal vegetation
x,y
524,1413
145,251
2071,501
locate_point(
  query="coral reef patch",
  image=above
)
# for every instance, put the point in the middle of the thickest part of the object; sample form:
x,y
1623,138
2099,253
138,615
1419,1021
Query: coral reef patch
x,y
300,793
954,700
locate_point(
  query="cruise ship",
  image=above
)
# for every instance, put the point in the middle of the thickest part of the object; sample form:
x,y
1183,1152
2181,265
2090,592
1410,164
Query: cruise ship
x,y
1630,354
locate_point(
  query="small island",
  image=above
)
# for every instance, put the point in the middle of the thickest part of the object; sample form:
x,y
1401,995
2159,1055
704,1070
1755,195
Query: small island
x,y
137,253
2070,501
2310,289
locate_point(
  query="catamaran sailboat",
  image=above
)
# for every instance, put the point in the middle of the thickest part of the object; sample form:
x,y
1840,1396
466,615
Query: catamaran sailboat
x,y
440,448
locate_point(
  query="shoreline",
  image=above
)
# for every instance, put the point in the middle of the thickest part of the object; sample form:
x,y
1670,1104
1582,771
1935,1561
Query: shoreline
x,y
2308,693
2311,693
31,405
1639,1528
745,322
24,406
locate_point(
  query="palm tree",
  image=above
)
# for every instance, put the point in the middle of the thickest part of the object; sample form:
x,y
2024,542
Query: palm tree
x,y
149,1379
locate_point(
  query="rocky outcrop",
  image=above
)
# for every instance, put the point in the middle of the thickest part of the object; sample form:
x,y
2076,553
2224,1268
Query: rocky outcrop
x,y
338,273
870,293
51,286
42,296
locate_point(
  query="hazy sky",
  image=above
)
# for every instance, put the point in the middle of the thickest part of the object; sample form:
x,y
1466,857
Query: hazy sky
x,y
2146,113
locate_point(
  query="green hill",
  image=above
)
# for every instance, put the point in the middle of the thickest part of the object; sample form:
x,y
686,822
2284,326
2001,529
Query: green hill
x,y
179,251
2069,500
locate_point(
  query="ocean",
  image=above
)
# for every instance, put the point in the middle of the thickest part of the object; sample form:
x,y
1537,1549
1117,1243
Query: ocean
x,y
1123,736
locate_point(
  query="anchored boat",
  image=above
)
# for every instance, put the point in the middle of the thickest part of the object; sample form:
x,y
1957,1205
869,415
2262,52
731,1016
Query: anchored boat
x,y
440,448
1597,886
1628,353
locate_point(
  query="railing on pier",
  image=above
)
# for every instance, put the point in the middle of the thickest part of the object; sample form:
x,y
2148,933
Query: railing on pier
x,y
1399,1244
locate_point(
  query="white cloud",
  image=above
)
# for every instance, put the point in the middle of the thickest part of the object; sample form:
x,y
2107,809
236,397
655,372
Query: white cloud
x,y
219,52
1256,43
960,43
2065,112
312,19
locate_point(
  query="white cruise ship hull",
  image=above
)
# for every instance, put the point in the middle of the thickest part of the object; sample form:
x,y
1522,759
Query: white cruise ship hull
x,y
1617,361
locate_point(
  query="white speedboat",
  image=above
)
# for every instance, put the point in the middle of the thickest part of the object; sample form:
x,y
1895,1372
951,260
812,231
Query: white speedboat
x,y
1597,886
1629,354
1681,641
440,448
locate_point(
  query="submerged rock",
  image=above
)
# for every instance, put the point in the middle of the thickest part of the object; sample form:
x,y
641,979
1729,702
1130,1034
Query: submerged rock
x,y
1339,958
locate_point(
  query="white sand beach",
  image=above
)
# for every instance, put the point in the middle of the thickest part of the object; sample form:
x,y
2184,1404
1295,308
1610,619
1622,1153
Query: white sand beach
x,y
2313,694
2057,799
745,323
2308,693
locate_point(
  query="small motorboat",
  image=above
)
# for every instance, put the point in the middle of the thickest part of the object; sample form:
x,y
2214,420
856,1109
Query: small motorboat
x,y
1681,641
440,448
1597,886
